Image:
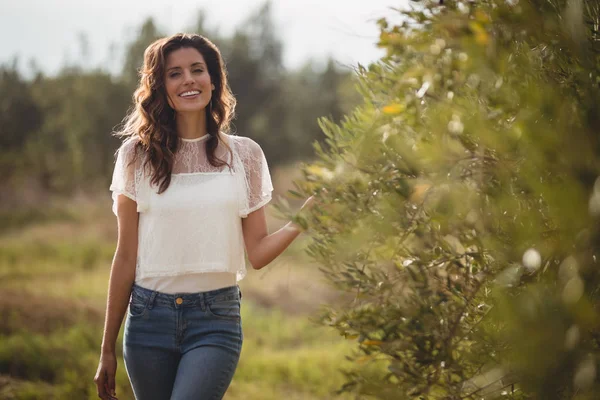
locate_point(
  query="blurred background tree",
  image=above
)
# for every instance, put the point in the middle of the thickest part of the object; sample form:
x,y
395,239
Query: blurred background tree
x,y
462,203
17,99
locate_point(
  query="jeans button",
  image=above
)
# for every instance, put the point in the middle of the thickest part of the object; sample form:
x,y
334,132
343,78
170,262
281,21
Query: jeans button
x,y
179,300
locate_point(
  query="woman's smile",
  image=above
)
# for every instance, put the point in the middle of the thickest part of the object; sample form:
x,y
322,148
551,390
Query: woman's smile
x,y
190,94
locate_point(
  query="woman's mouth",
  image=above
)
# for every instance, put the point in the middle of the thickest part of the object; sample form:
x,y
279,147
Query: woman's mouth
x,y
190,94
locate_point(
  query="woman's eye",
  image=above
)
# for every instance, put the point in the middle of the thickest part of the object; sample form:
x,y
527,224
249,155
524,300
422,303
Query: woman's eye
x,y
198,70
173,75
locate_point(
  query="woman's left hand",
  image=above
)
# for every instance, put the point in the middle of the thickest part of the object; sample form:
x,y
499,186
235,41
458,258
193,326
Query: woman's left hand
x,y
311,201
308,204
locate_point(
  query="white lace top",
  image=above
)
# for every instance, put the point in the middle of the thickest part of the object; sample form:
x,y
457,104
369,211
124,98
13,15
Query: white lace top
x,y
190,236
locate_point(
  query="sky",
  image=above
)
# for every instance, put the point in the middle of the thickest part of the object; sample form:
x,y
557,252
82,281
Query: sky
x,y
49,31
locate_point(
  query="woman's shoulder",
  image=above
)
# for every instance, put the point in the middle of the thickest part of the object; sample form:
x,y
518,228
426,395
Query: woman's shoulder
x,y
130,145
242,143
130,150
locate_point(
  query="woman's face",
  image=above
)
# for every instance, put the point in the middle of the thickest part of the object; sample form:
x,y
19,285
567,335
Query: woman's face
x,y
187,81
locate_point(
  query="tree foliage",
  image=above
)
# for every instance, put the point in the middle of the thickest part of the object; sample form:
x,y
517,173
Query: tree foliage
x,y
462,203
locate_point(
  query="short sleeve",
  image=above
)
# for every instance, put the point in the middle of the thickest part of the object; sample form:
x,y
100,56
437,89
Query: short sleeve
x,y
124,174
258,179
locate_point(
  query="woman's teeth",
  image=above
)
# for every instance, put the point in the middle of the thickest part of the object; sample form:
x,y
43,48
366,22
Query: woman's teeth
x,y
190,93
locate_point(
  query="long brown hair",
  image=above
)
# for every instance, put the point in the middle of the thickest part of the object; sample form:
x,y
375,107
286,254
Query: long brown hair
x,y
152,120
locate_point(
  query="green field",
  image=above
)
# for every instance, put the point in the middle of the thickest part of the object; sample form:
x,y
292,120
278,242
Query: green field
x,y
54,269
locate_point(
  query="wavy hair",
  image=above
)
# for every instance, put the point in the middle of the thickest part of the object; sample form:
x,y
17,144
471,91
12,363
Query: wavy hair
x,y
151,119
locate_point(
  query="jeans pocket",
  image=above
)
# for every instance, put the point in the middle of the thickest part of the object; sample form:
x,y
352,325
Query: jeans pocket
x,y
137,305
225,309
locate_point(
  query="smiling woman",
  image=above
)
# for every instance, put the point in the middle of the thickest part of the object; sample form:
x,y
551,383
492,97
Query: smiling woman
x,y
189,197
175,65
188,83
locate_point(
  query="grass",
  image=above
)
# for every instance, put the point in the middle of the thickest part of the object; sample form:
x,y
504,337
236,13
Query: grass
x,y
13,219
53,280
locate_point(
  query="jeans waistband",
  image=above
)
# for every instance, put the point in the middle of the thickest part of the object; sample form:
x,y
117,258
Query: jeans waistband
x,y
152,297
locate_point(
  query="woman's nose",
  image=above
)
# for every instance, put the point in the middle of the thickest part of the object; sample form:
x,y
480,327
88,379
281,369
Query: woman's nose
x,y
187,77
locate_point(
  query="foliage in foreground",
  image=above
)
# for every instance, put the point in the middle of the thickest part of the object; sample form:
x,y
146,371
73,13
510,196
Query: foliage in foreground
x,y
462,202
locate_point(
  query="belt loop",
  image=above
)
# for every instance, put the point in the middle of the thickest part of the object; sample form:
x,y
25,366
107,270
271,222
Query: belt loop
x,y
240,291
203,302
151,300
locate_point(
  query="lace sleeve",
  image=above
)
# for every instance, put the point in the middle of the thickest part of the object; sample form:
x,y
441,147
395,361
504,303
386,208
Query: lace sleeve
x,y
124,174
258,179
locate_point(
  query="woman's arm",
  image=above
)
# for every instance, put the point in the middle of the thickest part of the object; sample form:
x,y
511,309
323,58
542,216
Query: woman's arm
x,y
261,247
122,275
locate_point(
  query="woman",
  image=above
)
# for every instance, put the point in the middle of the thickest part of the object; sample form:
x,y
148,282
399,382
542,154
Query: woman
x,y
188,198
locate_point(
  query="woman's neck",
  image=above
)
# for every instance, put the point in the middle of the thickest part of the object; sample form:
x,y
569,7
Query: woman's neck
x,y
191,125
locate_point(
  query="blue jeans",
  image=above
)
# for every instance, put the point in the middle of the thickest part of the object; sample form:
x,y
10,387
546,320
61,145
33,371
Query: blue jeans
x,y
182,346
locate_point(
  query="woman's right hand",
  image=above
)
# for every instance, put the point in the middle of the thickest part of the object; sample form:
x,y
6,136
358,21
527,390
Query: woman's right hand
x,y
105,376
